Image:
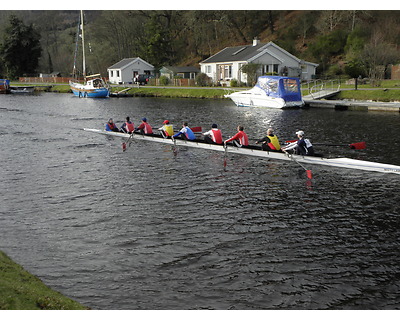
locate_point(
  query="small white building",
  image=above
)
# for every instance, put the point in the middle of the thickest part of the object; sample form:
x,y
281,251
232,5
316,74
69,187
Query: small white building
x,y
226,65
127,69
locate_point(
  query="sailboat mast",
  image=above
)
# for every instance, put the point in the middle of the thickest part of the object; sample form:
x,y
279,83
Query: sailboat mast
x,y
83,48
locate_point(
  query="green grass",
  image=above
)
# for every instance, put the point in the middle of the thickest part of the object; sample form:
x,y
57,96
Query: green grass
x,y
200,93
383,95
19,290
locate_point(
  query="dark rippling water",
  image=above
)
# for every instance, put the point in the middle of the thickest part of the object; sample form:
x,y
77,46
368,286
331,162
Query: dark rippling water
x,y
143,229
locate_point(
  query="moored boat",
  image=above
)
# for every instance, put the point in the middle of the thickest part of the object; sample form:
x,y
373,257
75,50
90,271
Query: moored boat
x,y
270,92
22,89
256,152
94,86
4,86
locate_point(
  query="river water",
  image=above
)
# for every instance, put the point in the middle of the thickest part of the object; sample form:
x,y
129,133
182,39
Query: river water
x,y
145,229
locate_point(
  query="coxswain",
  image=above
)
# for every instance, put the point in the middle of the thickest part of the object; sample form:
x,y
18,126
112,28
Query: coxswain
x,y
302,146
144,127
270,142
167,130
239,139
214,135
186,132
128,126
110,126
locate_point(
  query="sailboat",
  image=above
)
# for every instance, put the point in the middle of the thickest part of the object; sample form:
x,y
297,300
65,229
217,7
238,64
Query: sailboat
x,y
93,86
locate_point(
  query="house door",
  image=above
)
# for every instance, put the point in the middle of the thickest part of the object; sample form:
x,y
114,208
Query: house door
x,y
135,76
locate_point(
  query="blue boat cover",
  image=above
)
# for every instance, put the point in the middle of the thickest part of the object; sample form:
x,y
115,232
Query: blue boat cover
x,y
5,81
286,88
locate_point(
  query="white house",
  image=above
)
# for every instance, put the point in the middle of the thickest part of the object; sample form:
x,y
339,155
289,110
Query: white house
x,y
127,69
226,64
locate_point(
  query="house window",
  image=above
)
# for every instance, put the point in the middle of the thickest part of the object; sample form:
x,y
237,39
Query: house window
x,y
112,73
208,69
225,71
270,69
117,73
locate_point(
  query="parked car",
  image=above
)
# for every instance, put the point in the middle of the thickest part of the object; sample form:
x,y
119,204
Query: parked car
x,y
143,79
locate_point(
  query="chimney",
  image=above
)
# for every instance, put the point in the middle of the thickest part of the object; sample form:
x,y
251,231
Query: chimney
x,y
255,42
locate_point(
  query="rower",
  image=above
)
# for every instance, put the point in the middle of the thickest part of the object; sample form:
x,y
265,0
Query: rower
x,y
270,142
239,139
128,126
144,127
167,130
111,126
214,135
302,146
186,132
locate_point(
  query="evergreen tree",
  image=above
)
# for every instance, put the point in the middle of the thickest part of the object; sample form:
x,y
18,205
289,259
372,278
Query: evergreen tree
x,y
20,50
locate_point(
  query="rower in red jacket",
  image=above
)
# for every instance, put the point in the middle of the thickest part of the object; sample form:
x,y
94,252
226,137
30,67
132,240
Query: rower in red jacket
x,y
128,126
214,135
144,127
240,138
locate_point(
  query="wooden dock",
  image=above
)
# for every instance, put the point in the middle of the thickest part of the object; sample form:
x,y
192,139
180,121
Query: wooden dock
x,y
353,105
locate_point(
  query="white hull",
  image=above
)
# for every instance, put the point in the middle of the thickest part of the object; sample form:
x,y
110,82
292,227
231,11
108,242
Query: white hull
x,y
333,162
258,98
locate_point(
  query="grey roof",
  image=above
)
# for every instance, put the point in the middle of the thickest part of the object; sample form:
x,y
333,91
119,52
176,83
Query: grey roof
x,y
239,53
182,69
122,63
247,52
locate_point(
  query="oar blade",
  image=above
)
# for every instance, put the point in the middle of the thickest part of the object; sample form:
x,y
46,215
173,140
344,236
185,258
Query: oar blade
x,y
309,174
358,145
196,129
123,146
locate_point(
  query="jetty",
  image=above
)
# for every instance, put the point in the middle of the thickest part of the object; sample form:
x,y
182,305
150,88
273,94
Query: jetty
x,y
321,92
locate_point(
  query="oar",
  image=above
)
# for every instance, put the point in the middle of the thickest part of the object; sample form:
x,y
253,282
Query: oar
x,y
225,155
308,172
124,144
356,145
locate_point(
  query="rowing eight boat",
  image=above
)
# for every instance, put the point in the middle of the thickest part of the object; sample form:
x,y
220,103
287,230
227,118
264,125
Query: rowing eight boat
x,y
333,162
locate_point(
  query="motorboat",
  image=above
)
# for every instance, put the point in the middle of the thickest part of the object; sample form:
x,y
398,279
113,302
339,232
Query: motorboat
x,y
270,92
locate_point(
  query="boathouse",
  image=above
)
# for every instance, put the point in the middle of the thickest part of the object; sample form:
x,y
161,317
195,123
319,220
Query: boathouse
x,y
126,70
227,64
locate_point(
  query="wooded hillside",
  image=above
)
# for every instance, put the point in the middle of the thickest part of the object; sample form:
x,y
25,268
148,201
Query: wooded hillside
x,y
342,42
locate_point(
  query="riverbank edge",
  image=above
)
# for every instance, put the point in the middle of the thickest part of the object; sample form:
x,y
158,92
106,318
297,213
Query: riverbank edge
x,y
20,290
363,99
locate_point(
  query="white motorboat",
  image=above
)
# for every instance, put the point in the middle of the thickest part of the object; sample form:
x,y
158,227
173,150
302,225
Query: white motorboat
x,y
270,92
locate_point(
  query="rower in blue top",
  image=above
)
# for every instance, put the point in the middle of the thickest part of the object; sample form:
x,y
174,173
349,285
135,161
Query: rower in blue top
x,y
186,132
301,146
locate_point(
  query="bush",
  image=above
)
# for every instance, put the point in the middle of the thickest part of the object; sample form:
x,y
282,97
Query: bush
x,y
203,80
164,80
234,83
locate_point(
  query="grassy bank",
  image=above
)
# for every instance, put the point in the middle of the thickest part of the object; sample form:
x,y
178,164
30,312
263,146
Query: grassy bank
x,y
200,93
382,95
390,92
19,290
